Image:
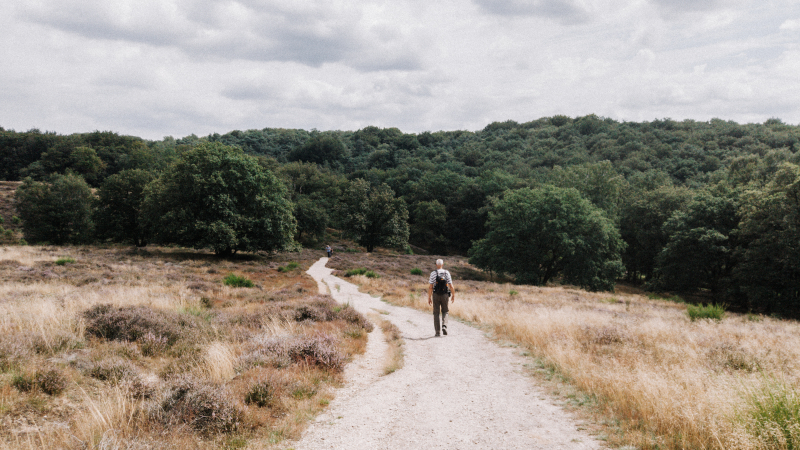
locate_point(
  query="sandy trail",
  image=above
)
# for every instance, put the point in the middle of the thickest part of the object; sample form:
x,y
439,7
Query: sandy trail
x,y
460,391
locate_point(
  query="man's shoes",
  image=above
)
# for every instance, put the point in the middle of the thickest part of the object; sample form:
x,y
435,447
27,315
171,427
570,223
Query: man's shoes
x,y
437,335
444,331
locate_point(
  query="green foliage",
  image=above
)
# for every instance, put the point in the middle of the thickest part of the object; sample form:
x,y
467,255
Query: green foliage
x,y
321,148
642,227
234,280
219,198
289,267
709,311
260,394
537,235
119,205
416,271
774,414
769,256
64,261
372,216
58,212
699,253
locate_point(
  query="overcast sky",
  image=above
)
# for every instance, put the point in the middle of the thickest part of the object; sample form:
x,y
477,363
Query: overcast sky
x,y
153,68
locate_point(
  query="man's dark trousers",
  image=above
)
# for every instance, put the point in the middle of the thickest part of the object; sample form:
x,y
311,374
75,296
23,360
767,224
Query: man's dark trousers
x,y
440,303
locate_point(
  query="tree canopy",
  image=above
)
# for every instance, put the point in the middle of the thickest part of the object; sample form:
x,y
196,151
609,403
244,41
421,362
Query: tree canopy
x,y
538,234
217,197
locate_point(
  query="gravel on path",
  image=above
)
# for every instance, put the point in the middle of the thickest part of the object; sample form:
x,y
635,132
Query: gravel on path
x,y
460,391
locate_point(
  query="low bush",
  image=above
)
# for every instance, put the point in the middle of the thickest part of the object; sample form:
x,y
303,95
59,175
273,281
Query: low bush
x,y
361,271
709,311
50,381
64,261
289,267
113,370
260,394
317,351
205,407
154,329
233,280
349,314
416,271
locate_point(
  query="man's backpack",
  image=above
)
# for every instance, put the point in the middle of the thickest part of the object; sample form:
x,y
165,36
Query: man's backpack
x,y
440,286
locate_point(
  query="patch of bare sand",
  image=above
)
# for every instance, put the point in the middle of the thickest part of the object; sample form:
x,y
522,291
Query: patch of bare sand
x,y
461,391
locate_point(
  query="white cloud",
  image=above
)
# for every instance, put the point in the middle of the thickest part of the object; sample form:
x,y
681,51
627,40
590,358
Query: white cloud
x,y
175,67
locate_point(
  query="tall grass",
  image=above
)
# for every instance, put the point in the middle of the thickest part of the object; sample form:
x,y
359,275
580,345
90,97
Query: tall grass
x,y
710,311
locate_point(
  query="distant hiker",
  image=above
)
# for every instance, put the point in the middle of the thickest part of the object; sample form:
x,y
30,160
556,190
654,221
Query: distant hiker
x,y
439,290
328,249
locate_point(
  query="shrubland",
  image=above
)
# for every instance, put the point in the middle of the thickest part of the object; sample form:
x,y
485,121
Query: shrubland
x,y
152,349
656,373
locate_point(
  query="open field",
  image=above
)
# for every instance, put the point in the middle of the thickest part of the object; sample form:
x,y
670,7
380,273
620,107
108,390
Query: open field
x,y
658,379
118,349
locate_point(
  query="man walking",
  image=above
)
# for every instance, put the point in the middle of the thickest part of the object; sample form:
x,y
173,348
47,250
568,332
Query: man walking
x,y
440,286
328,250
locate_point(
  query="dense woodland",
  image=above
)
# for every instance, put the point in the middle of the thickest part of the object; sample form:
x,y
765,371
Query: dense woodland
x,y
710,209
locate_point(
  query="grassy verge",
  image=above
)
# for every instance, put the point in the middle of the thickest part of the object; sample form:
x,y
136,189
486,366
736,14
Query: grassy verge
x,y
155,349
659,379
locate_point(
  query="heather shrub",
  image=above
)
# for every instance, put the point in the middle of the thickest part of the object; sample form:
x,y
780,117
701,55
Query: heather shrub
x,y
205,407
112,370
233,280
272,351
64,261
51,381
317,351
260,394
353,272
416,271
153,344
138,323
349,314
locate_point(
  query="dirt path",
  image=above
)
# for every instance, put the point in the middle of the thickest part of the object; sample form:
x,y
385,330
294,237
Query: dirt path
x,y
456,392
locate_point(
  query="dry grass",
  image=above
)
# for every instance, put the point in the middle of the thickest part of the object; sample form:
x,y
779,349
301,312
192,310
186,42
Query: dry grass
x,y
662,380
174,353
395,356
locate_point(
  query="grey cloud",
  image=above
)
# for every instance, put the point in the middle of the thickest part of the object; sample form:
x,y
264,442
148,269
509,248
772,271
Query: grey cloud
x,y
567,11
255,31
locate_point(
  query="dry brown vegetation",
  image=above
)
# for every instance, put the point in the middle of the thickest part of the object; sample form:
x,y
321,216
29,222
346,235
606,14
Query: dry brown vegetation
x,y
112,348
659,379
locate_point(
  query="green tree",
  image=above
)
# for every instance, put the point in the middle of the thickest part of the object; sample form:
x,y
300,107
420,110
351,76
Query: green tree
x,y
372,216
642,227
700,251
312,218
58,212
217,197
119,207
540,234
428,227
321,148
769,268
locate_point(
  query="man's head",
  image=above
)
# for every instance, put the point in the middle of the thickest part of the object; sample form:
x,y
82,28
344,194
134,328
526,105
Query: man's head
x,y
439,263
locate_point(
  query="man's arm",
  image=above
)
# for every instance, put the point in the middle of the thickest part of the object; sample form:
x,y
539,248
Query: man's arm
x,y
430,293
452,293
